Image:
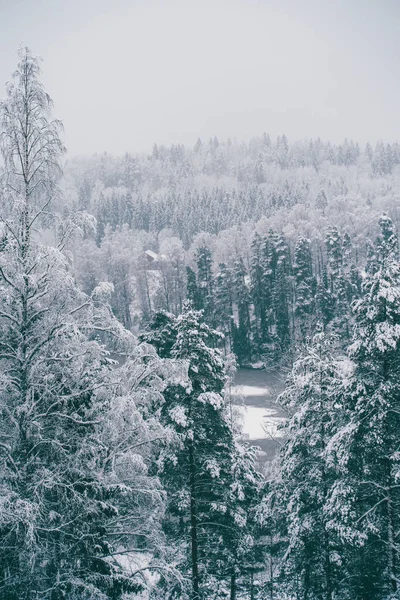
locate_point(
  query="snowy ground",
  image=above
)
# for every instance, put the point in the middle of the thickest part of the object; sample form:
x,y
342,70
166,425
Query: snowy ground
x,y
256,393
261,423
250,390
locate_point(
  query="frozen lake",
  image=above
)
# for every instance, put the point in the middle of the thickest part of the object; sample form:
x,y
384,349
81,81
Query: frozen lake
x,y
256,392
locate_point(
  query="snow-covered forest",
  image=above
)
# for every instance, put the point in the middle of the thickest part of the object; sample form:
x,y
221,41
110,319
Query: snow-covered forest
x,y
132,288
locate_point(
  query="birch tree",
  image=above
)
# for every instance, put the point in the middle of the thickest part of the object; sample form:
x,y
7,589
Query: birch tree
x,y
75,431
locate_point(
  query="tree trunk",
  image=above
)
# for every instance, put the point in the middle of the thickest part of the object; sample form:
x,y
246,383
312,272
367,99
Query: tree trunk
x,y
193,527
271,570
233,587
391,544
328,578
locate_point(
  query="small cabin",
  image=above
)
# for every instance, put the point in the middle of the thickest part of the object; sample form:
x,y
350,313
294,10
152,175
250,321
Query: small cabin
x,y
151,256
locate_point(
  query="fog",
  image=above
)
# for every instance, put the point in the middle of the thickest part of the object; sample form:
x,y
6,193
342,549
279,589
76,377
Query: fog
x,y
128,73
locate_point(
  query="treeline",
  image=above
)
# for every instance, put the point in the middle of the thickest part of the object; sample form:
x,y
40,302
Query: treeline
x,y
270,308
266,302
222,184
253,207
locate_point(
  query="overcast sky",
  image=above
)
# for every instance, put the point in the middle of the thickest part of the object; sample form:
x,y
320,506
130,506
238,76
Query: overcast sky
x,y
124,74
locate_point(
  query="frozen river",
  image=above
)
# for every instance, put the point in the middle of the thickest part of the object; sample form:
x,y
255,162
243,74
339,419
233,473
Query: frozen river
x,y
256,392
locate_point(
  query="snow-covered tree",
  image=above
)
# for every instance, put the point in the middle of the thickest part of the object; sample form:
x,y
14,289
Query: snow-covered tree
x,y
310,563
211,481
365,501
205,280
223,303
242,327
75,431
305,288
192,290
259,290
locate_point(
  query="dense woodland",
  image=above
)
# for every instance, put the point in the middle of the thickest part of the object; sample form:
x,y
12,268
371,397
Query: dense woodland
x,y
268,238
130,291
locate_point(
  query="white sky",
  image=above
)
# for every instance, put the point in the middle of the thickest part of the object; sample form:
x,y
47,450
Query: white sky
x,y
127,73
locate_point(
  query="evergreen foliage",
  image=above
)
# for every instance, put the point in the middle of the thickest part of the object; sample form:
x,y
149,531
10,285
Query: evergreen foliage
x,y
211,480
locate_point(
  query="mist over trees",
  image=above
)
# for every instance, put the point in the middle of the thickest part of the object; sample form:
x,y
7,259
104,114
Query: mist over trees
x,y
131,289
276,230
222,184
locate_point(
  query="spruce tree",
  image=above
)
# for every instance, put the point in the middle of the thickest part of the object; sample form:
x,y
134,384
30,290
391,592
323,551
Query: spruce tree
x,y
334,249
324,301
192,290
281,304
277,277
340,274
311,561
205,281
305,288
223,303
209,478
242,327
366,501
191,470
161,333
258,289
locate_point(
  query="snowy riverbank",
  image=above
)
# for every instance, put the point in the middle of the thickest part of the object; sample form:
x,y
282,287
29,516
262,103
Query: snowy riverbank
x,y
256,391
